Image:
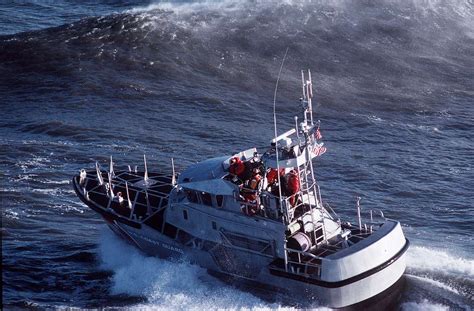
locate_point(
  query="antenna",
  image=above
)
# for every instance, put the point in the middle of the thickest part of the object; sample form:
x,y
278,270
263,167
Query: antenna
x,y
145,177
303,85
111,168
307,97
173,179
296,128
128,196
112,195
275,122
310,95
358,213
99,173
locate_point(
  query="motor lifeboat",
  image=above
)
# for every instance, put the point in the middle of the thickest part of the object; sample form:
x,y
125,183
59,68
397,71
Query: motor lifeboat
x,y
258,216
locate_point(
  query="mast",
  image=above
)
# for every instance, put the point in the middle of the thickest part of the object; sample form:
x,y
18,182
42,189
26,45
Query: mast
x,y
307,97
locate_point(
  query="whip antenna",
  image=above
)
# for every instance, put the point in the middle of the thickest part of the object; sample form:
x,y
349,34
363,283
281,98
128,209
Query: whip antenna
x,y
275,121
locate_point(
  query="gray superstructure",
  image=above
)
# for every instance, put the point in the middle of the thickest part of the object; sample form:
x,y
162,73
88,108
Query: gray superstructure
x,y
257,215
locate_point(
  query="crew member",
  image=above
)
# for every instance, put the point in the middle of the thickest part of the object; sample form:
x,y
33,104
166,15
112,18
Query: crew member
x,y
250,193
272,180
292,186
120,198
237,167
243,170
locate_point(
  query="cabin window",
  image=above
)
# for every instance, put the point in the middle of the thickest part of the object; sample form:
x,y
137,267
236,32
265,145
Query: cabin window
x,y
214,225
219,200
185,214
206,198
192,196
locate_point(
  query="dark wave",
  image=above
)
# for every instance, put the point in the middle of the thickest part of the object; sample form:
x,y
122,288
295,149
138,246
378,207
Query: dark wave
x,y
390,53
56,129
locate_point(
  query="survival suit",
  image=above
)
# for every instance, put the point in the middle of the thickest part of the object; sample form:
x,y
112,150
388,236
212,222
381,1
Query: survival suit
x,y
292,186
250,194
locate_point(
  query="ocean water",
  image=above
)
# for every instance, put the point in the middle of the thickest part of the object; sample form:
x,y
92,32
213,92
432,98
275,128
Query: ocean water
x,y
83,80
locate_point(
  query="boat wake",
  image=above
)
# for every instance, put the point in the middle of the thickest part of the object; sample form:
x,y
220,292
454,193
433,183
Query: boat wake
x,y
441,262
442,284
170,285
437,280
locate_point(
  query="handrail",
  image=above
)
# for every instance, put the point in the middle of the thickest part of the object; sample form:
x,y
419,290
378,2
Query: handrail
x,y
327,206
306,264
292,250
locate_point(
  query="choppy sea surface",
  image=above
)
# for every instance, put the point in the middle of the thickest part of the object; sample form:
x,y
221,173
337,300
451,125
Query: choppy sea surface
x,y
83,80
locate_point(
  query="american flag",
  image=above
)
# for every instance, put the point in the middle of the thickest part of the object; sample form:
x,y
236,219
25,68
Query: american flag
x,y
318,134
319,150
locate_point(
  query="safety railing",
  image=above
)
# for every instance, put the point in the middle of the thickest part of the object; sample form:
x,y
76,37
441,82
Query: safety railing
x,y
304,263
331,211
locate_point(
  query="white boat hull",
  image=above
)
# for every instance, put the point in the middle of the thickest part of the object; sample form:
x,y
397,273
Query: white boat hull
x,y
336,294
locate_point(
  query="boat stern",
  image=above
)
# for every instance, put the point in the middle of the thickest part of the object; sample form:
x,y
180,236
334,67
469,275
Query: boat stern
x,y
365,269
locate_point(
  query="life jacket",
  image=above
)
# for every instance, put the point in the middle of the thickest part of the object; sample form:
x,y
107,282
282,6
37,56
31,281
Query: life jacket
x,y
272,175
252,203
292,186
254,181
292,183
250,195
237,167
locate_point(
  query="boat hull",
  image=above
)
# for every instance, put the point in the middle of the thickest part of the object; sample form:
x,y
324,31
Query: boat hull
x,y
348,277
338,294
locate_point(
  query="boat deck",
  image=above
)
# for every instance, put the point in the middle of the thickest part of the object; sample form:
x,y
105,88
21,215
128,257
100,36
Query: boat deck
x,y
145,197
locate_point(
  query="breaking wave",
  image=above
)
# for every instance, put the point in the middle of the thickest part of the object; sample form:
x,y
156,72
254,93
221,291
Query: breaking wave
x,y
423,306
444,281
391,52
425,259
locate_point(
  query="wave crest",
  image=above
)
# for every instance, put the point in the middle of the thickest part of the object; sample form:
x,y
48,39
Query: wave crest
x,y
427,259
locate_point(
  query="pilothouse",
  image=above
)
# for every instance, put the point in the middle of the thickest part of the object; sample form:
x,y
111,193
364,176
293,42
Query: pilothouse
x,y
257,215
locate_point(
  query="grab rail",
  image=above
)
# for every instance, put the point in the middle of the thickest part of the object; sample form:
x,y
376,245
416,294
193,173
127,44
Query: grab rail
x,y
306,265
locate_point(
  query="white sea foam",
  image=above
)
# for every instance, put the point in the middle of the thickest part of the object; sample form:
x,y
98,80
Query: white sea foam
x,y
434,283
53,192
55,182
187,7
67,208
11,214
424,305
170,285
24,177
427,259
